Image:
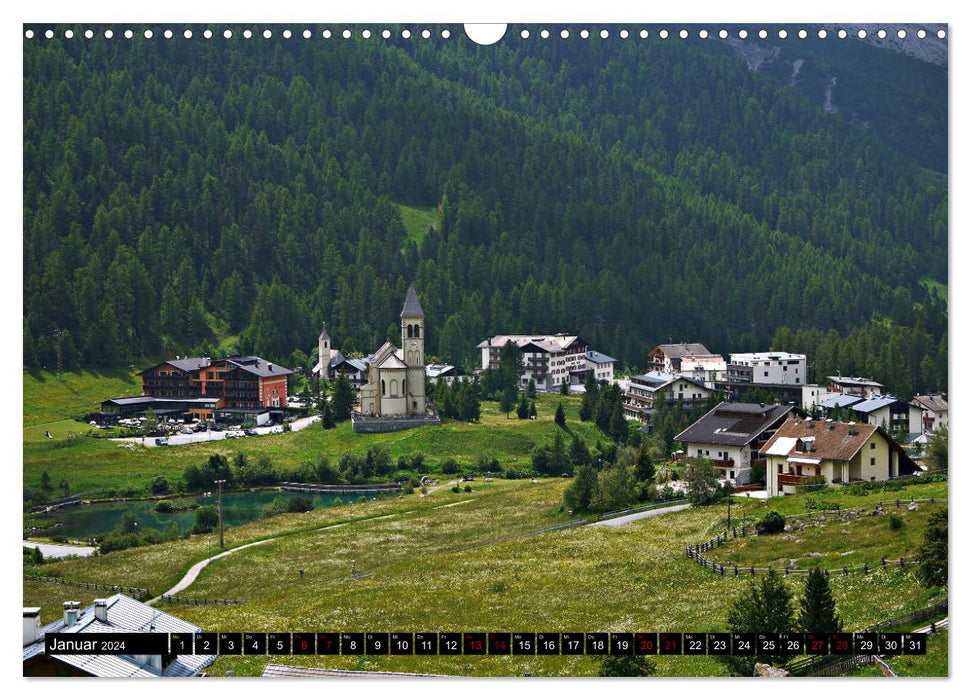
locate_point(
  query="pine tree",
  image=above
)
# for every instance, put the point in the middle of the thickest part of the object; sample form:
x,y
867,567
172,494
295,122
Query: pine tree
x,y
327,416
579,454
507,401
618,424
644,464
522,409
578,495
932,571
818,611
559,459
765,607
564,388
531,389
560,417
343,399
532,409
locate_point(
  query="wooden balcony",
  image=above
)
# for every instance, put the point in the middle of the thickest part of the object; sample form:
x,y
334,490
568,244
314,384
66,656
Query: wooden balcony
x,y
793,479
723,463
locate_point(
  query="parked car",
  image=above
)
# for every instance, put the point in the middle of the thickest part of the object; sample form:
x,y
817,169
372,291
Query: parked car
x,y
250,431
186,431
235,434
161,441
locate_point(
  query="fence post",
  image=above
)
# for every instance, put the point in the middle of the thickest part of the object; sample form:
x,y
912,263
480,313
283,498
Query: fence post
x,y
723,570
734,533
846,571
901,562
753,571
827,574
898,502
866,568
736,570
883,562
933,627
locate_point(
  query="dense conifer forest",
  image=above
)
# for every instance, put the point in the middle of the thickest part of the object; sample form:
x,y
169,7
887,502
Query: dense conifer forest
x,y
193,196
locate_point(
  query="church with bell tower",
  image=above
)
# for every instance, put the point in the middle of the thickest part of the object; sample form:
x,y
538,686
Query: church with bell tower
x,y
396,376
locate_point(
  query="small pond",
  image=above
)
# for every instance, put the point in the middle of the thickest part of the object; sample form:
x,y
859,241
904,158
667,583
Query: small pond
x,y
80,522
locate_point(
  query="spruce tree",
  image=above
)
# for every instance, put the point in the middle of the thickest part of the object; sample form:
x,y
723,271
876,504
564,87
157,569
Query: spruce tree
x,y
818,612
531,389
560,417
522,409
343,399
532,409
644,464
507,401
327,416
932,571
765,607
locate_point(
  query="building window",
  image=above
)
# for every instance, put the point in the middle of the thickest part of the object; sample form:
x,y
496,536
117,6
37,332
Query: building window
x,y
873,445
873,461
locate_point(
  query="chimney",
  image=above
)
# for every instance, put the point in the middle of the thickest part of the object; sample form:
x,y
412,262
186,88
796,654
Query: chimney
x,y
32,626
270,366
71,612
101,610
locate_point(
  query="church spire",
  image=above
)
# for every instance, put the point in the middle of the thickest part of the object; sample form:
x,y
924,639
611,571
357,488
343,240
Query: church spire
x,y
412,308
323,333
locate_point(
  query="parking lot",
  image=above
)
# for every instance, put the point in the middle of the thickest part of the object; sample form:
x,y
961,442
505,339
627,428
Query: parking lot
x,y
211,435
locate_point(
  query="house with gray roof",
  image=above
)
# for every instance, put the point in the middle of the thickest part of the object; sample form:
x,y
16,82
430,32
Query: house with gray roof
x,y
933,408
118,614
645,391
891,414
731,435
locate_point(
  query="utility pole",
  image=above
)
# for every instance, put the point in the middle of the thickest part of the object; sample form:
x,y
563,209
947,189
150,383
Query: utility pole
x,y
219,485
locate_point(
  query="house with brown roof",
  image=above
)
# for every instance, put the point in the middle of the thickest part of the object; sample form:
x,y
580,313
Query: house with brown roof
x,y
933,410
804,452
731,436
693,359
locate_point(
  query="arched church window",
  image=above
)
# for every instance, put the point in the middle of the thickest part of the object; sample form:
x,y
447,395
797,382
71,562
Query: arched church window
x,y
394,387
383,391
417,331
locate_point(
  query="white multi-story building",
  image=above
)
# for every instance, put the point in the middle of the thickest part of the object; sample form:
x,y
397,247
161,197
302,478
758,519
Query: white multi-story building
x,y
550,360
773,367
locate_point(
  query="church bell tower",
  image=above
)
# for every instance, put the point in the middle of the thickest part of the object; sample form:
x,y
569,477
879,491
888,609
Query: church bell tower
x,y
413,351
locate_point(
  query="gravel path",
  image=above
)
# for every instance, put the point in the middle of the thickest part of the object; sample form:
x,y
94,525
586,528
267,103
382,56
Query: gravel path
x,y
624,519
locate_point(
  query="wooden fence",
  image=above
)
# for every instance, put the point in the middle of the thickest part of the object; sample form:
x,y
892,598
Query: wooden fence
x,y
696,551
200,601
131,591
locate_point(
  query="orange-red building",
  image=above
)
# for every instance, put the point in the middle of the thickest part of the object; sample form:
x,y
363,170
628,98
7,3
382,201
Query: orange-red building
x,y
203,386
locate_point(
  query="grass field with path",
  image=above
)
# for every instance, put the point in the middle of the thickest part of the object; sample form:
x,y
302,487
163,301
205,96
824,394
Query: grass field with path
x,y
417,220
471,566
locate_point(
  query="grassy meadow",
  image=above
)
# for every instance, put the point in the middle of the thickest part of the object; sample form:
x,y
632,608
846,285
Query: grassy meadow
x,y
95,465
417,220
466,562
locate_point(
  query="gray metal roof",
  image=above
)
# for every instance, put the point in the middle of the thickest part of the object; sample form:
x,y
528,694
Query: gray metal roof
x,y
734,424
124,614
323,333
841,401
875,404
412,308
189,364
599,357
258,366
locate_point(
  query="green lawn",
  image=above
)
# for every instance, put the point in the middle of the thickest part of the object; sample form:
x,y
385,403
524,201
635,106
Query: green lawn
x,y
832,544
470,566
95,465
417,220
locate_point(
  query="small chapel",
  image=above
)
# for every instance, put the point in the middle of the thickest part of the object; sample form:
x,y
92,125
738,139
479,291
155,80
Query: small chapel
x,y
396,376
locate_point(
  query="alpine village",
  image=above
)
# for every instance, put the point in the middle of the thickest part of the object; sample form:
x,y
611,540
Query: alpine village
x,y
374,336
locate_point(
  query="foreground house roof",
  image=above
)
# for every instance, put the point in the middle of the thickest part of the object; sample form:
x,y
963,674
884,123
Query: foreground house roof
x,y
733,424
123,615
676,350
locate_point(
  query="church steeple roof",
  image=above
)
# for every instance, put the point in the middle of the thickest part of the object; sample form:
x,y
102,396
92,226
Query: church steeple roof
x,y
412,307
323,333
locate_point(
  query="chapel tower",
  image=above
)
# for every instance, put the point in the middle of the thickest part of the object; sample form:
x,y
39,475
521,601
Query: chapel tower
x,y
413,351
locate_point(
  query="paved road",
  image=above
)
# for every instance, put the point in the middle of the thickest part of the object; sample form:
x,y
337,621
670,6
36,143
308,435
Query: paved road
x,y
624,519
58,551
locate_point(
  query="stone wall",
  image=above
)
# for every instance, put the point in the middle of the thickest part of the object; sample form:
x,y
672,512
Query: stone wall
x,y
390,425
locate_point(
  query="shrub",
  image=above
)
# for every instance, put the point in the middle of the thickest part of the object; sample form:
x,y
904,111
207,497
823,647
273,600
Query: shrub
x,y
58,538
164,507
468,488
771,523
207,517
160,486
456,489
450,466
896,522
300,504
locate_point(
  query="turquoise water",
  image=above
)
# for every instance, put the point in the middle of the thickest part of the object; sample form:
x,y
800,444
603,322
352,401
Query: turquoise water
x,y
79,522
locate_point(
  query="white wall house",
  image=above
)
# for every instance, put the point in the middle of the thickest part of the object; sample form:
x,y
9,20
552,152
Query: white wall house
x,y
550,360
813,396
891,414
773,367
933,408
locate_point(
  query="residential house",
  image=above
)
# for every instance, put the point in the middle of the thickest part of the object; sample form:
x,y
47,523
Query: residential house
x,y
685,358
933,408
813,396
331,362
891,414
773,367
856,386
118,614
549,360
641,395
731,436
443,373
804,452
